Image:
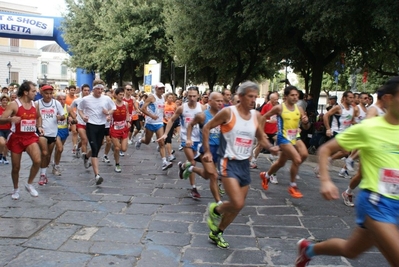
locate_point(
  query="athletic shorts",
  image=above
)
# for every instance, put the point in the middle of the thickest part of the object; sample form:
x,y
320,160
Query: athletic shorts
x,y
120,134
81,126
106,131
281,140
63,133
153,127
194,147
17,143
377,207
50,139
4,133
238,169
214,152
270,137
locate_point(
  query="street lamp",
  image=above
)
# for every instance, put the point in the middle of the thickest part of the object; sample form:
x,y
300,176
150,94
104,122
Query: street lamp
x,y
9,66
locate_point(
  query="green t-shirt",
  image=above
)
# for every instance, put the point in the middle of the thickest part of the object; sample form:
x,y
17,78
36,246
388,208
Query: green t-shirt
x,y
378,142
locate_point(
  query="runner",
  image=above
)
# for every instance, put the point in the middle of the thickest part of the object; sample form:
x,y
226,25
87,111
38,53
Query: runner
x,y
209,171
62,133
239,125
377,204
289,115
4,130
120,126
134,113
70,97
51,112
153,108
96,109
24,120
169,111
186,113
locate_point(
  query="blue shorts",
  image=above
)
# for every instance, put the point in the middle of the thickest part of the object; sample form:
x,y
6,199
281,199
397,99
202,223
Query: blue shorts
x,y
214,152
63,133
194,147
238,169
153,127
281,140
377,207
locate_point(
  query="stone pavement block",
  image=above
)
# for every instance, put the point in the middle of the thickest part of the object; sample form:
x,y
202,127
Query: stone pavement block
x,y
237,242
115,198
272,220
199,227
137,208
159,256
323,234
109,260
211,255
35,212
9,252
162,226
329,261
369,259
323,222
191,209
179,217
136,191
239,229
20,227
49,258
280,232
116,248
277,244
278,210
168,193
104,190
250,257
86,218
125,221
52,236
155,200
171,239
79,246
123,235
12,241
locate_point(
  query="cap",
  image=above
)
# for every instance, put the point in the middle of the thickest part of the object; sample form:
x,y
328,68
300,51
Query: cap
x,y
160,85
47,87
333,97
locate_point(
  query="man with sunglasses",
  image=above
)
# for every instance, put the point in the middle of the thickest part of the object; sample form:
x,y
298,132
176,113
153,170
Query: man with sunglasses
x,y
153,109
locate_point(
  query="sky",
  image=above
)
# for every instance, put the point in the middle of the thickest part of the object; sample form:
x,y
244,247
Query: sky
x,y
53,8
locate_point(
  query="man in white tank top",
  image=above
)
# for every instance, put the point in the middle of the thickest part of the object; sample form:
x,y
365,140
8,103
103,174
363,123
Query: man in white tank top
x,y
239,125
153,110
186,112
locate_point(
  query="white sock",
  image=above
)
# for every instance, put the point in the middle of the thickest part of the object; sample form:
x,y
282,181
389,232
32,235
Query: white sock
x,y
349,191
194,186
190,169
342,170
293,184
43,171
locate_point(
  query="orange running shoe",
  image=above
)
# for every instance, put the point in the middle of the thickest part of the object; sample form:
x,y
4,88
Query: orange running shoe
x,y
294,192
265,180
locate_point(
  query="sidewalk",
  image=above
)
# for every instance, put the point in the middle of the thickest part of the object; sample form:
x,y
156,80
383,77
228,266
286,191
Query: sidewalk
x,y
144,217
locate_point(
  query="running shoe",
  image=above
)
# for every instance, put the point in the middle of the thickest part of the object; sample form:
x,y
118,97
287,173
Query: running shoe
x,y
172,158
182,168
166,165
344,174
118,169
347,199
316,171
213,219
302,260
350,164
43,179
31,190
77,153
194,193
106,159
121,153
158,148
138,144
253,165
273,179
271,159
129,142
172,152
294,192
5,161
221,190
187,172
56,171
181,147
15,194
99,179
218,240
265,180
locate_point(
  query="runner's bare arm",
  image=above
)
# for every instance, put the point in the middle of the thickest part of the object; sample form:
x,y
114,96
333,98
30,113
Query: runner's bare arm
x,y
7,115
169,125
198,118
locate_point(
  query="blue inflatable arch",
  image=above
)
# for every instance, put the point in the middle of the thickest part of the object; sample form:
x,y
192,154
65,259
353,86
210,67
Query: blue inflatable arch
x,y
41,28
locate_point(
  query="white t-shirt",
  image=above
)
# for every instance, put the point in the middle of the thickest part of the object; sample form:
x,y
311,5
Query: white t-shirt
x,y
93,108
49,112
74,105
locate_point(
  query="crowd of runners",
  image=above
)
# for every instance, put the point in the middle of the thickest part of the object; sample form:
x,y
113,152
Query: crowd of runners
x,y
225,133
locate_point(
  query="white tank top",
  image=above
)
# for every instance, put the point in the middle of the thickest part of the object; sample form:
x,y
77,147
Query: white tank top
x,y
49,112
238,136
343,121
186,117
379,110
156,108
362,114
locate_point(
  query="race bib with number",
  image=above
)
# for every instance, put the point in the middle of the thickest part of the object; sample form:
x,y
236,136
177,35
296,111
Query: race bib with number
x,y
62,123
291,134
243,145
389,182
169,114
119,125
28,125
48,113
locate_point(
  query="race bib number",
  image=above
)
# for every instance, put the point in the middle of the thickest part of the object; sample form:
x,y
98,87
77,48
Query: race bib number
x,y
187,120
119,125
134,112
389,182
291,134
347,123
28,126
169,114
62,123
243,145
48,113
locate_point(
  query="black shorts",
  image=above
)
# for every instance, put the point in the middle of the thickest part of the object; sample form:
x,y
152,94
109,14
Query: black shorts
x,y
50,139
106,132
4,133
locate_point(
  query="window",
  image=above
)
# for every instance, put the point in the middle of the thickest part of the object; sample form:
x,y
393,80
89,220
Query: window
x,y
64,70
14,77
44,68
14,45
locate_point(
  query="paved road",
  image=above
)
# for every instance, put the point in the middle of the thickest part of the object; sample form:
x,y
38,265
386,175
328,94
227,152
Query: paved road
x,y
144,217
